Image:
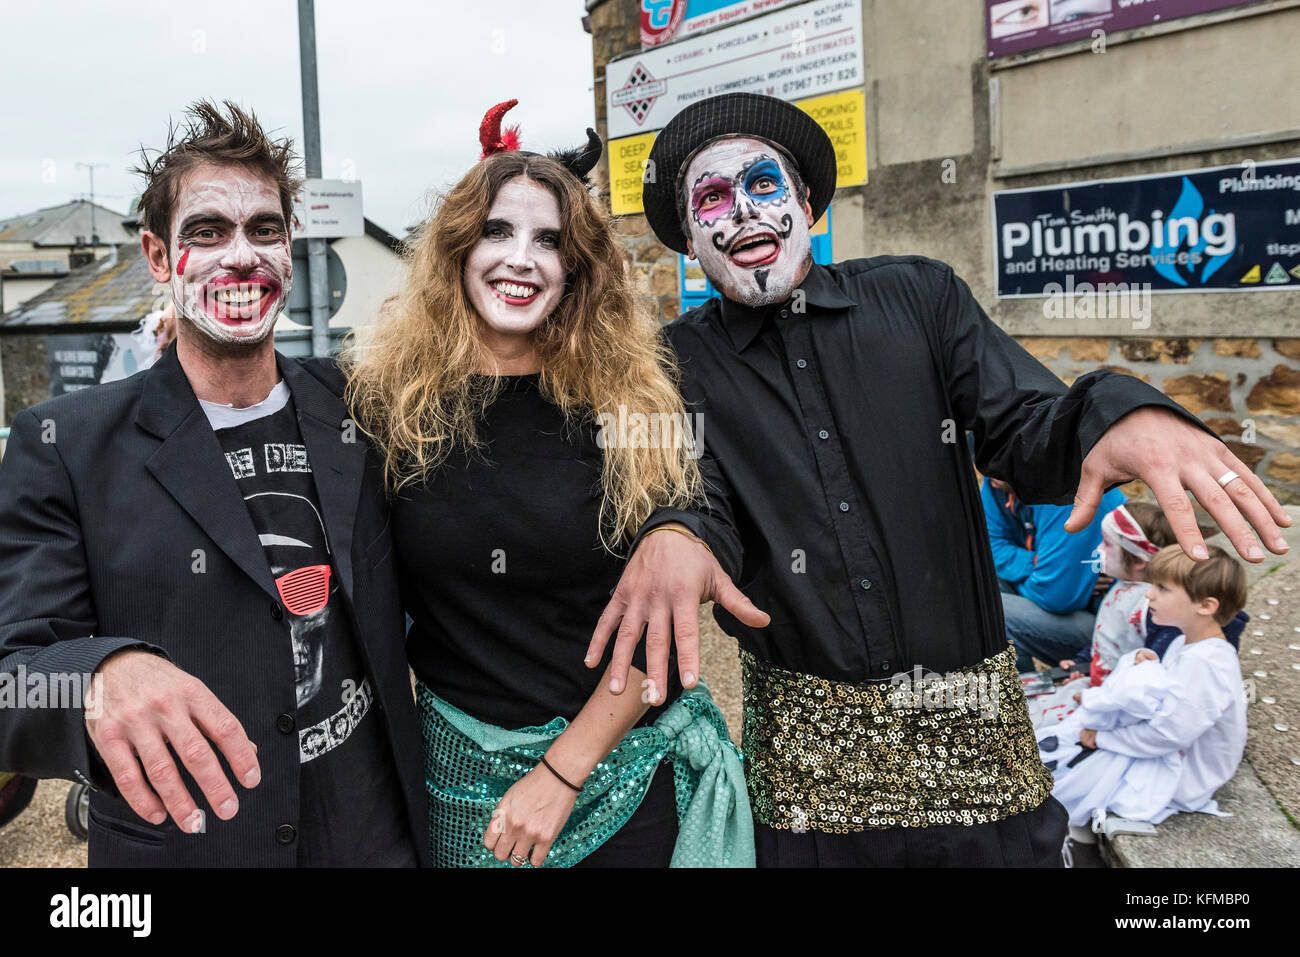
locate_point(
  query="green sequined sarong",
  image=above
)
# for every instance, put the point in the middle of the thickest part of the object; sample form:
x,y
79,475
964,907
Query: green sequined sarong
x,y
469,765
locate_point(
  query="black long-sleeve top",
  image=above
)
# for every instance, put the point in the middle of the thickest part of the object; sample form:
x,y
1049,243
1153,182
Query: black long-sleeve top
x,y
836,420
502,569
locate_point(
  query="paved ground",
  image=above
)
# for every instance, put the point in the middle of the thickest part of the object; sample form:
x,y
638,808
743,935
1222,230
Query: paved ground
x,y
38,837
1270,661
1257,835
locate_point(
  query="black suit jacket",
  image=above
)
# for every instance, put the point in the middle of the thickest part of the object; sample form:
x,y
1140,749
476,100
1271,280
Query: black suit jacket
x,y
120,526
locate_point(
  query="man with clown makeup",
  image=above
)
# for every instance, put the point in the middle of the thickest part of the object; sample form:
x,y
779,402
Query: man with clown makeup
x,y
205,545
884,721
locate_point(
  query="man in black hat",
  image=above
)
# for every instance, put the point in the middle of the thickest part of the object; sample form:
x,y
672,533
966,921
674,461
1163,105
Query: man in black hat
x,y
884,719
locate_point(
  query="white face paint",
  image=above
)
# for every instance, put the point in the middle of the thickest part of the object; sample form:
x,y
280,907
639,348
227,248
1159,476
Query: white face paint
x,y
747,227
1112,558
514,275
233,267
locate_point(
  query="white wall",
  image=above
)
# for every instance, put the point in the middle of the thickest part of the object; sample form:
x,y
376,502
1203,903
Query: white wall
x,y
374,272
17,290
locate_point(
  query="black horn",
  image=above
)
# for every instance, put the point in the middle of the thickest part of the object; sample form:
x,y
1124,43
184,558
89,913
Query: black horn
x,y
589,157
581,159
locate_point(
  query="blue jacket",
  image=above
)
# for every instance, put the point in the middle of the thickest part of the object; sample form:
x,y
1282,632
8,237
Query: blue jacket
x,y
1032,550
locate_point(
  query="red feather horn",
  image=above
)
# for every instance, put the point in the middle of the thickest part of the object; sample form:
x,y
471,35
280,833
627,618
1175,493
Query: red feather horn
x,y
490,134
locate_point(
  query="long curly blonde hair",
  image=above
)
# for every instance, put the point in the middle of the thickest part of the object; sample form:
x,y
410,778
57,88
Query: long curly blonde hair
x,y
414,380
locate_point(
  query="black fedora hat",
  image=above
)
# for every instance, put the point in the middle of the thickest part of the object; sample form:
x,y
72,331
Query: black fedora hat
x,y
734,114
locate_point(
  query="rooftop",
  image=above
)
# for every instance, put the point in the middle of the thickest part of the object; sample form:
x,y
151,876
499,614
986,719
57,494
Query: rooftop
x,y
117,289
61,225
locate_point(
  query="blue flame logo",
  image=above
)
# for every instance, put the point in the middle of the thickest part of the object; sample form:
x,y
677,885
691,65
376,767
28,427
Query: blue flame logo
x,y
1190,204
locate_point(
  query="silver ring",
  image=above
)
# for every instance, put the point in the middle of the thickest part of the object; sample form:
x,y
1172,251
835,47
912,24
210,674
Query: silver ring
x,y
518,860
1227,477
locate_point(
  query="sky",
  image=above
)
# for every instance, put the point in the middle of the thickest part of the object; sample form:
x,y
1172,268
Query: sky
x,y
403,87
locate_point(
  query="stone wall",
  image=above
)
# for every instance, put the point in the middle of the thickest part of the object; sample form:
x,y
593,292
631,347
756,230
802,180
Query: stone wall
x,y
26,373
1247,390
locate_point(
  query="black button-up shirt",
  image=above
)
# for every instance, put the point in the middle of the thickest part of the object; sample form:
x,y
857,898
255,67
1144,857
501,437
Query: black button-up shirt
x,y
843,499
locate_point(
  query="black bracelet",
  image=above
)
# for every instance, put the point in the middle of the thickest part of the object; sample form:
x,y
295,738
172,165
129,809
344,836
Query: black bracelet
x,y
560,776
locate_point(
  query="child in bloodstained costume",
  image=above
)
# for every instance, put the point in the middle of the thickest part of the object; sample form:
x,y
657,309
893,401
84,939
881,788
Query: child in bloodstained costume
x,y
1131,536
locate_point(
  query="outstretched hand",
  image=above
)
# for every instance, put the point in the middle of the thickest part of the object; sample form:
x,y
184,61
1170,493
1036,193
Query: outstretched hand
x,y
1173,457
665,581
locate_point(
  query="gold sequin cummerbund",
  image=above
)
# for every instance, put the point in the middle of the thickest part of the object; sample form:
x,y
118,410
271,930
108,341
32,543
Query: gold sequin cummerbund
x,y
919,750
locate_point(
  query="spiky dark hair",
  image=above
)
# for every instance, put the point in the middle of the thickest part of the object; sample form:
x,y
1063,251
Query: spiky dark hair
x,y
210,136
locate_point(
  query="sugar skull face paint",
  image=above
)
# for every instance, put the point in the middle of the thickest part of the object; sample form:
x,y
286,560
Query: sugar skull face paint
x,y
760,181
745,224
230,244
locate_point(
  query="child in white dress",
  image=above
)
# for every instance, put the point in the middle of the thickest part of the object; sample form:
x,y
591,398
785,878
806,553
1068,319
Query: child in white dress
x,y
1161,737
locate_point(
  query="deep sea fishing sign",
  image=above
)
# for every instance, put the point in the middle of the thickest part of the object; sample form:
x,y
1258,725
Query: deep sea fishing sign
x,y
1224,229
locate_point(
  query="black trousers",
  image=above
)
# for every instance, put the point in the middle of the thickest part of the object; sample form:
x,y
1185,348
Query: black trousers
x,y
647,839
1031,839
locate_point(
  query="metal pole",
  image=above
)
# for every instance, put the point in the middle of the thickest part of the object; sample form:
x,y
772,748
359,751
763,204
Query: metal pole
x,y
93,232
94,239
316,263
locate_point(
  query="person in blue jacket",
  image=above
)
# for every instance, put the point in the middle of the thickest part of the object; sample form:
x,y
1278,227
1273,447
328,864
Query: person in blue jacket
x,y
1050,579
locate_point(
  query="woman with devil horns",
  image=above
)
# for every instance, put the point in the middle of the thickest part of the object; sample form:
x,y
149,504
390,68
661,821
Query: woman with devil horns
x,y
493,388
